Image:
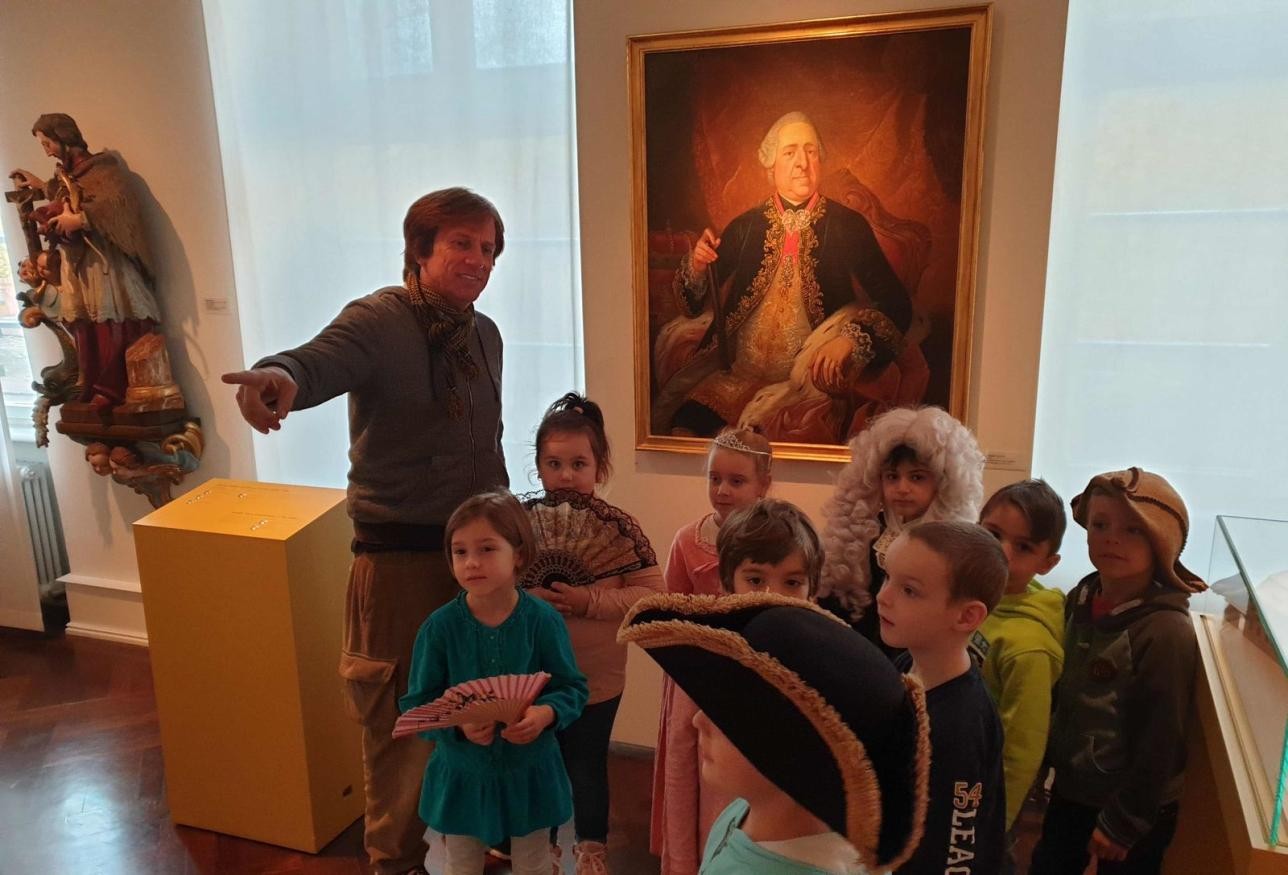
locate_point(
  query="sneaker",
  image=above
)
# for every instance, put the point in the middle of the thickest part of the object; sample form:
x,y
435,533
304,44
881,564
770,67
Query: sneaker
x,y
591,858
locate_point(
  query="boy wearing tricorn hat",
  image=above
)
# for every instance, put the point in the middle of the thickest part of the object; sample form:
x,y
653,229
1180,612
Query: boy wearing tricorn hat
x,y
823,744
1118,735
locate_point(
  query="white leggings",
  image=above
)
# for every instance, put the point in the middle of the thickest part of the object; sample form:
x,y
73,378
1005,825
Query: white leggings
x,y
529,854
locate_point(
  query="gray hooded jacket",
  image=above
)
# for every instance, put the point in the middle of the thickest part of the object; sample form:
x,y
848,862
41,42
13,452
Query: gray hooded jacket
x,y
1123,706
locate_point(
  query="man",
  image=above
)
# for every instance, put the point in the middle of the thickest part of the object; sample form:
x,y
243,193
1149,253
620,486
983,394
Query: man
x,y
423,372
796,274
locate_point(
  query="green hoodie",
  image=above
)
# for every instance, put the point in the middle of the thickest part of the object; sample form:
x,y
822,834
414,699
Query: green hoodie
x,y
1020,651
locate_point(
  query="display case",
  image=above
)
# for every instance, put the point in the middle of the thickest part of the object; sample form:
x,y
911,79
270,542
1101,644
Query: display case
x,y
1245,683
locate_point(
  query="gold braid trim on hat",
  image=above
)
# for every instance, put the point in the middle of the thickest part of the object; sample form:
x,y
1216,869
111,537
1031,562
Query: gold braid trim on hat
x,y
862,791
701,605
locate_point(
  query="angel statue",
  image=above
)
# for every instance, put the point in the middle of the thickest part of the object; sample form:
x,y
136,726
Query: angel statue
x,y
93,283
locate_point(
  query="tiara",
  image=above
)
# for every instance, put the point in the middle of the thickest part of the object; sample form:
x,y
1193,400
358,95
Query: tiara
x,y
730,441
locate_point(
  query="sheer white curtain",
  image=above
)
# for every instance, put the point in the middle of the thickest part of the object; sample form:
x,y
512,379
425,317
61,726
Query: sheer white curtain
x,y
334,115
1165,336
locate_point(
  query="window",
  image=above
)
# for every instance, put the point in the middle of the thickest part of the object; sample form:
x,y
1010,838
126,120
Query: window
x,y
1165,336
320,168
15,368
508,34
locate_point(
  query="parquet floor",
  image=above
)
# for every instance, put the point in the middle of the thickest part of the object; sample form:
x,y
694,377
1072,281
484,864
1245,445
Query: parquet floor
x,y
82,787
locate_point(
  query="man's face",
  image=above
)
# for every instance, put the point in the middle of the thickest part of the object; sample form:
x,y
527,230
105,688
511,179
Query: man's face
x,y
796,163
460,263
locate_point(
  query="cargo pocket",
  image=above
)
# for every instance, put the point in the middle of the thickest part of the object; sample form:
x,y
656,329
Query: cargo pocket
x,y
368,686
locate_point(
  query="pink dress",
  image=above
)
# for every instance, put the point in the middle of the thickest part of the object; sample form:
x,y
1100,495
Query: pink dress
x,y
683,808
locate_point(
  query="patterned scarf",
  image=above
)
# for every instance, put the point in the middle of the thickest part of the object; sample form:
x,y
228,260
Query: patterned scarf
x,y
449,330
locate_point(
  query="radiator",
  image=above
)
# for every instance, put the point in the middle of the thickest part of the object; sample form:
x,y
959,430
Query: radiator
x,y
46,529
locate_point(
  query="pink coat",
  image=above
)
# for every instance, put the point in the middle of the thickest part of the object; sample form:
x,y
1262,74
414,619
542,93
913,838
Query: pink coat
x,y
683,808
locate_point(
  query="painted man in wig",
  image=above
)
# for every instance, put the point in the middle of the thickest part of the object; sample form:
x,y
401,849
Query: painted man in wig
x,y
805,303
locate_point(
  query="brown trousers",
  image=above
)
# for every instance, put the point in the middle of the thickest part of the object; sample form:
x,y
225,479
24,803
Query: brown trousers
x,y
389,597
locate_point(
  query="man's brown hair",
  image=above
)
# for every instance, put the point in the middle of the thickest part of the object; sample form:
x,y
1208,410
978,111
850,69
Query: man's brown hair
x,y
447,206
977,567
504,513
1038,503
768,531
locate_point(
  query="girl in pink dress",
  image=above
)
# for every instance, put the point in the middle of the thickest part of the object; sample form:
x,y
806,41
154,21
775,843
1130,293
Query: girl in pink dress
x,y
573,455
738,473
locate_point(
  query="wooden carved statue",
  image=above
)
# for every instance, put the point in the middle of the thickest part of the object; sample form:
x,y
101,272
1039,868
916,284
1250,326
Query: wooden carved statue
x,y
92,283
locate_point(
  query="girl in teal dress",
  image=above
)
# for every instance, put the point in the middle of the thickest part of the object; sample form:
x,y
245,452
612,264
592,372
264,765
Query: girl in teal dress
x,y
486,783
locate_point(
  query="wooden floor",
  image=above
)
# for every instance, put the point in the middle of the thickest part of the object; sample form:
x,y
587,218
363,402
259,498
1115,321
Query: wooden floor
x,y
82,787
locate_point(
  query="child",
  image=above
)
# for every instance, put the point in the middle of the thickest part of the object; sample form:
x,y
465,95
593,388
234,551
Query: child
x,y
573,454
770,546
806,725
1118,735
738,473
1019,645
944,578
909,465
481,785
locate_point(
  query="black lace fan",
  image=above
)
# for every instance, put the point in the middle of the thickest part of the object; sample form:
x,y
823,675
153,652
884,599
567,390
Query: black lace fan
x,y
581,539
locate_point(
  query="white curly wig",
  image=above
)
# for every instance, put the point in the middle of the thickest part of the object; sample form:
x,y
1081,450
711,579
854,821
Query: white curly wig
x,y
942,444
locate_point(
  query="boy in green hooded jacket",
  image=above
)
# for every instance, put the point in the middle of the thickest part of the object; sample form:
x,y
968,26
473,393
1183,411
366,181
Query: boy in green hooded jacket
x,y
1019,647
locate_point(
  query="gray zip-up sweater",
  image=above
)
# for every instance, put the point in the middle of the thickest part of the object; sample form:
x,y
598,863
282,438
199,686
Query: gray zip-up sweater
x,y
409,462
1123,706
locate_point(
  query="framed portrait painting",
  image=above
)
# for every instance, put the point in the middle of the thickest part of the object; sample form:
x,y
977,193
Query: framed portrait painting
x,y
806,205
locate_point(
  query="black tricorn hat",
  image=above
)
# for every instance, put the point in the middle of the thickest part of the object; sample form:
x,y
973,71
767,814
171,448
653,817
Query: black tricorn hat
x,y
811,703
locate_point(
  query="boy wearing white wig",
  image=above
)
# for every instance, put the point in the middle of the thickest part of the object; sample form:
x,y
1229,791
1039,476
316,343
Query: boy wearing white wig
x,y
910,465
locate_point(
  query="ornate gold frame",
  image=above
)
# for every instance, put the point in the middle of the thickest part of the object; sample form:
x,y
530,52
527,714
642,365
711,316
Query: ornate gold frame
x,y
979,20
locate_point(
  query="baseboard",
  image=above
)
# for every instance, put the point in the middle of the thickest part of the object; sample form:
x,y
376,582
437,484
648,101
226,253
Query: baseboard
x,y
86,580
111,610
22,620
79,631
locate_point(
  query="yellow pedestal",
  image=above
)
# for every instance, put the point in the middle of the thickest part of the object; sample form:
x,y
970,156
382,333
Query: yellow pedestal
x,y
243,590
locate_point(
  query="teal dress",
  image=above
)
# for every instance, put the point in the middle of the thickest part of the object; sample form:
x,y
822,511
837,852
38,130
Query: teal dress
x,y
502,790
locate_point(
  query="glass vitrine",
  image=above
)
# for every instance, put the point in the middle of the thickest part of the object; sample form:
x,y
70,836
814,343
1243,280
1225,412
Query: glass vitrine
x,y
1249,569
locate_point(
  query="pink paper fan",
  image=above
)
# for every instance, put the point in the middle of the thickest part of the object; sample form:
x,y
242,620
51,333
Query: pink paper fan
x,y
500,699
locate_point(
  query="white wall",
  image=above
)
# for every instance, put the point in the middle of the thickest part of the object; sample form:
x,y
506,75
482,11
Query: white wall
x,y
134,75
666,490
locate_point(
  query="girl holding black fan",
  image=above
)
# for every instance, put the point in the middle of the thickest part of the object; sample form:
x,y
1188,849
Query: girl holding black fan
x,y
593,563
